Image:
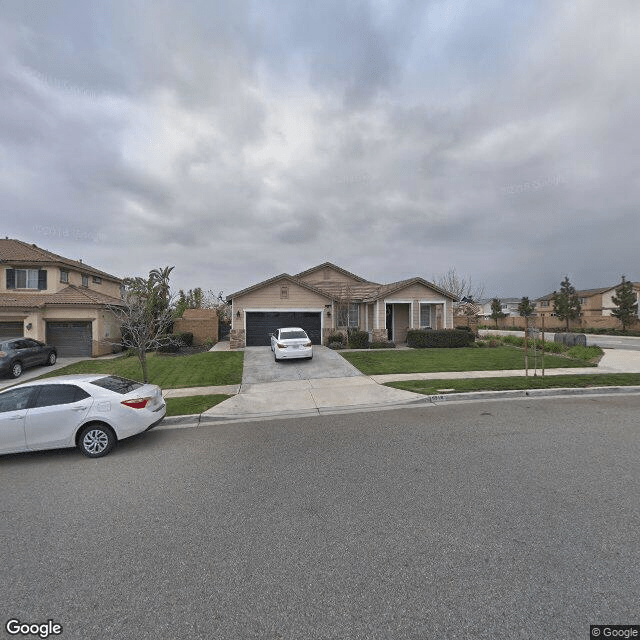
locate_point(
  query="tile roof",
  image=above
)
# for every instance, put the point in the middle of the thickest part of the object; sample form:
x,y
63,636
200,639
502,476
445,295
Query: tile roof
x,y
17,252
362,291
71,295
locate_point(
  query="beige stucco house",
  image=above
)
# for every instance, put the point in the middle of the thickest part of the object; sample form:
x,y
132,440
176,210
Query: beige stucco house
x,y
56,300
596,305
327,298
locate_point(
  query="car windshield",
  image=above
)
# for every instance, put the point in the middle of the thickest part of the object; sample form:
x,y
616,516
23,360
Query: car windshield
x,y
117,384
292,335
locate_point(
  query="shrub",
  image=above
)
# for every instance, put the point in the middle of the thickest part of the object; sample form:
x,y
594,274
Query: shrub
x,y
382,345
336,337
208,343
584,353
448,338
358,339
186,338
493,343
335,345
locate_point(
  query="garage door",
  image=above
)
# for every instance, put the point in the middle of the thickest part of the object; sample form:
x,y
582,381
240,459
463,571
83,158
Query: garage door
x,y
261,323
11,330
71,339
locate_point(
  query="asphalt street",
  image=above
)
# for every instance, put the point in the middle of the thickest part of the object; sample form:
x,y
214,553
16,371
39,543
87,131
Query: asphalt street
x,y
493,520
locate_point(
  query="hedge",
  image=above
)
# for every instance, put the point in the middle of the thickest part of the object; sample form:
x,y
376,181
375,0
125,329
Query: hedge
x,y
447,338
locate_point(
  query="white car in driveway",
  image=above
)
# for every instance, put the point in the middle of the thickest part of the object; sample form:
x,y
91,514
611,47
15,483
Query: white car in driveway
x,y
91,412
291,342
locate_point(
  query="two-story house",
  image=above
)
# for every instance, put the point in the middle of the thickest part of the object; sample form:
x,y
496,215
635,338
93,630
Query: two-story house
x,y
56,300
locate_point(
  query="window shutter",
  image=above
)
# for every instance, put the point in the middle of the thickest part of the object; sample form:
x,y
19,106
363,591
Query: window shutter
x,y
11,279
42,279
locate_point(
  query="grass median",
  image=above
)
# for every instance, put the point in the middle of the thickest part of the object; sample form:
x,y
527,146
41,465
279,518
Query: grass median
x,y
193,405
211,368
513,383
464,359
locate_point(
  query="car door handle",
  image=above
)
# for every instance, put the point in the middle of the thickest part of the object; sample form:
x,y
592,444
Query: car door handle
x,y
79,408
18,417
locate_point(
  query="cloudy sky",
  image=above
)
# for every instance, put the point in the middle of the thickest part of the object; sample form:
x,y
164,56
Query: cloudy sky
x,y
239,140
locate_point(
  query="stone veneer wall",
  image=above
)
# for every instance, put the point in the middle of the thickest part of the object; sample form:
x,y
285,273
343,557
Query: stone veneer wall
x,y
237,339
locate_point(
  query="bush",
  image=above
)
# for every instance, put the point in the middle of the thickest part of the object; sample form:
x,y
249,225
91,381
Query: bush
x,y
492,344
358,340
584,353
335,345
186,338
336,337
208,343
382,345
169,345
447,338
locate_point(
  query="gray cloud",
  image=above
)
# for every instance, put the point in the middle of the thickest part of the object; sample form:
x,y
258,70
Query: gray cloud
x,y
238,141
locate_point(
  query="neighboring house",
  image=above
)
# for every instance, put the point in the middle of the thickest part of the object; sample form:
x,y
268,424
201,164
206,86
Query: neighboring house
x,y
327,298
596,304
509,307
56,300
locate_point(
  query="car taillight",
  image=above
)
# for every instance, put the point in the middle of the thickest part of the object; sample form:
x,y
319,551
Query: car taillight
x,y
3,354
281,346
137,403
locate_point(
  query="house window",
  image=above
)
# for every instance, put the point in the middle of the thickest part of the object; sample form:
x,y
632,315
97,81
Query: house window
x,y
97,280
26,278
582,300
85,280
64,276
544,303
348,315
426,315
284,292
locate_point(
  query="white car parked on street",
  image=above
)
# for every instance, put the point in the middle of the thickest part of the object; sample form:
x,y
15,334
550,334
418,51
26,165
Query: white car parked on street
x,y
291,342
91,412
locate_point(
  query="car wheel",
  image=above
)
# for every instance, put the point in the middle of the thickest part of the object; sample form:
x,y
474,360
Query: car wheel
x,y
310,358
96,440
51,360
16,369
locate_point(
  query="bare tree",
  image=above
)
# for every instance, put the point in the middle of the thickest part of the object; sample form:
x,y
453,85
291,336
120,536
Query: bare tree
x,y
463,288
144,324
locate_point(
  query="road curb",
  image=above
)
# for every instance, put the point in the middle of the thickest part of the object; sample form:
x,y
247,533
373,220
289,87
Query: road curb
x,y
177,422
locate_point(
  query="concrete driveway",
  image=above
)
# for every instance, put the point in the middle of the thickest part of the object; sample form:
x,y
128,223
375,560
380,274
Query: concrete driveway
x,y
35,372
260,367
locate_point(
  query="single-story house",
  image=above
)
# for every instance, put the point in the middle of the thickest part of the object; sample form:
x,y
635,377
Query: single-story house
x,y
327,298
57,300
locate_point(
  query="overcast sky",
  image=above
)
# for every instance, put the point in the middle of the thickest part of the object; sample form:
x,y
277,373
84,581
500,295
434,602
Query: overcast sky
x,y
239,140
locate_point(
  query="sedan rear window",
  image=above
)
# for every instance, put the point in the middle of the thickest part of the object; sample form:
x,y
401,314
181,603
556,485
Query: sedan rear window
x,y
292,335
117,384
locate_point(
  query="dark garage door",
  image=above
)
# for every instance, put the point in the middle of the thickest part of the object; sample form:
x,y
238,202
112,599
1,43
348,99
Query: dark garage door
x,y
261,323
11,330
70,338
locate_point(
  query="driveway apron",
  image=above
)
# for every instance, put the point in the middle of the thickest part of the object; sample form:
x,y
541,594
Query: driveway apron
x,y
260,366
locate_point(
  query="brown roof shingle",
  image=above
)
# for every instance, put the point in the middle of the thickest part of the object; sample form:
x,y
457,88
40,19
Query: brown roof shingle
x,y
17,252
70,295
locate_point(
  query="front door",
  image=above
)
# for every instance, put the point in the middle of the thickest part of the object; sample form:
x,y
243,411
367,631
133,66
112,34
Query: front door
x,y
389,322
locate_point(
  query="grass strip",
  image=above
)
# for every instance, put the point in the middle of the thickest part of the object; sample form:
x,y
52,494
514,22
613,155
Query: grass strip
x,y
193,405
464,359
435,387
211,368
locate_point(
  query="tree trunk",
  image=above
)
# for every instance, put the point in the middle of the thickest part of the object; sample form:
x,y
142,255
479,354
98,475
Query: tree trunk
x,y
142,356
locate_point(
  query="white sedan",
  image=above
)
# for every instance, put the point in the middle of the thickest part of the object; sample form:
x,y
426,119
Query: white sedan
x,y
291,342
91,412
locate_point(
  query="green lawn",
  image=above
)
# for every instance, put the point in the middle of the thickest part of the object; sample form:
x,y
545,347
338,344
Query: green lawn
x,y
169,372
465,359
192,405
436,387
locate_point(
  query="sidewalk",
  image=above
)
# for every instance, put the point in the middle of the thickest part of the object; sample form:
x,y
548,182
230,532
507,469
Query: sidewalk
x,y
335,395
